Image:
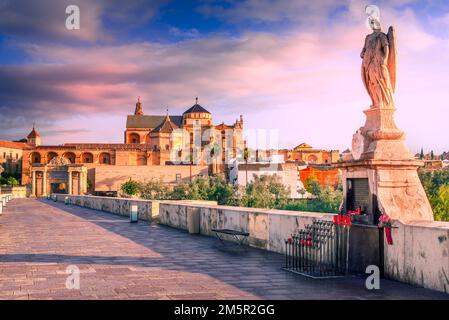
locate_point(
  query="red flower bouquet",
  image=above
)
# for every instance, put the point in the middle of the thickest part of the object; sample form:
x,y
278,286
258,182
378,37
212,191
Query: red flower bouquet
x,y
386,223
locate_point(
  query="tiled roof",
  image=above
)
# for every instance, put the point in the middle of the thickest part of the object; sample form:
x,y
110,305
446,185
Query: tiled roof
x,y
12,145
33,134
166,127
143,122
196,108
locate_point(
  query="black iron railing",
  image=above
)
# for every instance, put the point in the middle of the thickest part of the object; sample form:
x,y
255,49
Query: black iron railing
x,y
320,250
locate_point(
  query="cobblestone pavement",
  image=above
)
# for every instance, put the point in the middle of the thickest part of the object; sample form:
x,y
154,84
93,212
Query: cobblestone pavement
x,y
39,239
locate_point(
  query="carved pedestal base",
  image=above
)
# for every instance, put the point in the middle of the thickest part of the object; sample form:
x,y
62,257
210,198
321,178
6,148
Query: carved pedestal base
x,y
394,185
382,139
381,157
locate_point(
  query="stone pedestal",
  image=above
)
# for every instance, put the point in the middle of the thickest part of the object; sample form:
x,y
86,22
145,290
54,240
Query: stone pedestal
x,y
382,138
382,160
394,188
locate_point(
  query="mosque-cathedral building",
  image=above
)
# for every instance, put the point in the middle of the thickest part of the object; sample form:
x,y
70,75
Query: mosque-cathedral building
x,y
154,146
170,148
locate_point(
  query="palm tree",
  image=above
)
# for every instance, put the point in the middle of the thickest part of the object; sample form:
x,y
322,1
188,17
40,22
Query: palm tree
x,y
246,157
190,164
214,154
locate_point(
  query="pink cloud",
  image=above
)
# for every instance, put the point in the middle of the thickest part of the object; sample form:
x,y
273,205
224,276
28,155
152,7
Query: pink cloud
x,y
304,83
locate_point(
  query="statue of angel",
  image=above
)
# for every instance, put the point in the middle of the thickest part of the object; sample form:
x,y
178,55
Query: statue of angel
x,y
379,65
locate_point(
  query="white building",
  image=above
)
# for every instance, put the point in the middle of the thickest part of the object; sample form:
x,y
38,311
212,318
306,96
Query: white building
x,y
241,173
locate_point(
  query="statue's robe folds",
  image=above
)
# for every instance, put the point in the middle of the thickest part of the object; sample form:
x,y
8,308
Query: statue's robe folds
x,y
376,74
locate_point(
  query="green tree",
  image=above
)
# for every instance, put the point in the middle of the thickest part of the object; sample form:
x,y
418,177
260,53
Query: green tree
x,y
312,185
12,181
327,201
435,184
246,157
181,191
266,192
421,155
440,203
154,189
432,156
130,187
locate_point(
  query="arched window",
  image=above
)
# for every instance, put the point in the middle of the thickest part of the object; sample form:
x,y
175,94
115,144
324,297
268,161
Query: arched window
x,y
70,156
51,155
312,158
134,138
35,157
104,158
87,157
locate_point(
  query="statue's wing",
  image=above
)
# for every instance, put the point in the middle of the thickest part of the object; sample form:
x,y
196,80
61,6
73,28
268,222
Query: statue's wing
x,y
391,63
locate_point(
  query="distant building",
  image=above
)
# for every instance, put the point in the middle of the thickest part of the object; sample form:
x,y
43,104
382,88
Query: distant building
x,y
241,173
155,146
325,175
303,152
445,163
11,156
433,164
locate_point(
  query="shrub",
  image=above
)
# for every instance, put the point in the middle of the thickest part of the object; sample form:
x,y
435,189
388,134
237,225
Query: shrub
x,y
436,184
265,192
130,187
154,190
327,200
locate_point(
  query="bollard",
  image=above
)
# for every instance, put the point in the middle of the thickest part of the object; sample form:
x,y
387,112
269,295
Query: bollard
x,y
133,215
1,208
55,198
4,201
66,200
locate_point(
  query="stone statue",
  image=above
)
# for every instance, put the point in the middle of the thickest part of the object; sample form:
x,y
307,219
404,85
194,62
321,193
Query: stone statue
x,y
379,66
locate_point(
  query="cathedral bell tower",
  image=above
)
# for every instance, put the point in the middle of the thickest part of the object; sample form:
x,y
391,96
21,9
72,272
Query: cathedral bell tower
x,y
139,110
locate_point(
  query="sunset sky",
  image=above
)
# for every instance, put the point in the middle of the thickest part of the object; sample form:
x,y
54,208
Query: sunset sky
x,y
291,66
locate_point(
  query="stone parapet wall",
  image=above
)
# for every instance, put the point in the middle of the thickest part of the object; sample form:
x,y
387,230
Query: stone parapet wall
x,y
119,206
16,192
268,229
419,254
147,209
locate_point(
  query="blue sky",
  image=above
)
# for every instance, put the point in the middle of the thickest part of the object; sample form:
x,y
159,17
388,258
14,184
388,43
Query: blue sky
x,y
288,66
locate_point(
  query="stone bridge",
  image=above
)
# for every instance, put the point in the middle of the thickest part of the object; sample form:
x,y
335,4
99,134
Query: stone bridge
x,y
39,239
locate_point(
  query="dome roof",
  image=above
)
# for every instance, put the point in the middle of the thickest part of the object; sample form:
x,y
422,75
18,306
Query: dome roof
x,y
196,108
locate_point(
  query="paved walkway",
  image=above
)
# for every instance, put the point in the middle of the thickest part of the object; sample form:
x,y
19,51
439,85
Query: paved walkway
x,y
39,239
